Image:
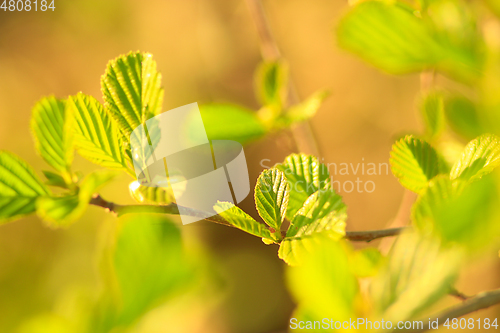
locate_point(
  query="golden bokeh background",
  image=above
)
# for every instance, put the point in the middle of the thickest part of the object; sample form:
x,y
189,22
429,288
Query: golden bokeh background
x,y
206,51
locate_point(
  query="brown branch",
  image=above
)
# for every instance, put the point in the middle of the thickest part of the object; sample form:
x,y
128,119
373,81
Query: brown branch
x,y
458,294
481,301
370,235
173,209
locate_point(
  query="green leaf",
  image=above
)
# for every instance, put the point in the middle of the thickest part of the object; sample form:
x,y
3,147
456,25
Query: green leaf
x,y
19,187
366,262
305,110
459,212
54,179
480,157
97,136
305,175
149,266
418,273
52,127
322,211
271,83
61,211
368,30
323,214
132,90
271,197
230,122
414,162
323,284
462,116
432,109
163,195
241,220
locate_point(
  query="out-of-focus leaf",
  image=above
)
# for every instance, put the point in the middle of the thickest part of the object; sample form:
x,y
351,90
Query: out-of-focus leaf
x,y
366,262
241,220
61,211
230,122
323,214
97,136
432,109
132,90
306,175
271,83
19,187
368,30
463,118
305,110
414,162
271,197
149,265
323,284
480,157
459,212
54,179
418,273
52,127
47,323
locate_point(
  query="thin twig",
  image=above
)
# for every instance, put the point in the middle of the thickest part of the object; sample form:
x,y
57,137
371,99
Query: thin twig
x,y
173,209
458,294
302,132
481,301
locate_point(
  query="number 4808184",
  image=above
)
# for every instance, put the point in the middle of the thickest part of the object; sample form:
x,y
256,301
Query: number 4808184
x,y
27,5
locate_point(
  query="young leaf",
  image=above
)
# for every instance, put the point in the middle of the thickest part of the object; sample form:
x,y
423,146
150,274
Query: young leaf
x,y
463,117
230,122
241,220
19,187
366,262
52,127
63,210
97,136
271,83
132,90
323,284
322,211
149,266
323,214
306,175
271,197
369,31
418,273
54,179
432,110
414,162
305,110
479,158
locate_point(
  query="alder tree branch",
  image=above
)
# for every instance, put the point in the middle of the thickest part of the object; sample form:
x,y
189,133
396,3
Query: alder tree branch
x,y
481,301
173,209
302,132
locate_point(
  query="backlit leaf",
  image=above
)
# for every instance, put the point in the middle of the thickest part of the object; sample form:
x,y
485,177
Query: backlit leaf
x,y
271,197
271,83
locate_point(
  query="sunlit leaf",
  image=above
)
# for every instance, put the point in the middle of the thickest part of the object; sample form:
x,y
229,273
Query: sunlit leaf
x,y
149,265
271,197
323,284
19,187
418,273
480,157
132,90
230,122
271,83
241,220
414,162
462,116
54,179
61,211
97,136
52,127
305,110
366,262
306,175
432,109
